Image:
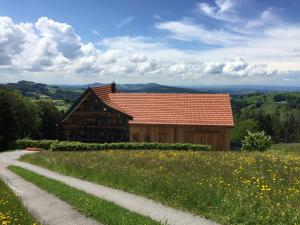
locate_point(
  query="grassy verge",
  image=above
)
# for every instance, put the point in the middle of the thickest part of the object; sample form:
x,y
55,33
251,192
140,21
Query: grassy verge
x,y
101,210
11,209
231,187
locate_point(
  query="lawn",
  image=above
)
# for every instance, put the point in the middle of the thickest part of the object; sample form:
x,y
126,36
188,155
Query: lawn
x,y
105,212
228,187
11,208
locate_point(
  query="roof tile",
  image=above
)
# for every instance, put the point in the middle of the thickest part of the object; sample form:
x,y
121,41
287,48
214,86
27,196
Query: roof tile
x,y
177,109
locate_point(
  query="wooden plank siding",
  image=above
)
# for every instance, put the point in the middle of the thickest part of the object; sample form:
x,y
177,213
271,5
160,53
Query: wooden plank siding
x,y
93,121
217,137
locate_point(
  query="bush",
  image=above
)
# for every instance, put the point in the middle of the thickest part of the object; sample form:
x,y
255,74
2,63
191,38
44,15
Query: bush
x,y
44,144
257,141
54,145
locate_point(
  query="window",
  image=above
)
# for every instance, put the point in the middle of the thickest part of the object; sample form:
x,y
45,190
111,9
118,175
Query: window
x,y
162,137
135,137
189,137
147,138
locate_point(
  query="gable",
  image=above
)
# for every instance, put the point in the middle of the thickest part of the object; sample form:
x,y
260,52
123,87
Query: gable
x,y
89,101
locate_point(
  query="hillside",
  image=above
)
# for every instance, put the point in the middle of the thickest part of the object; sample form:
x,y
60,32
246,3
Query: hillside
x,y
70,92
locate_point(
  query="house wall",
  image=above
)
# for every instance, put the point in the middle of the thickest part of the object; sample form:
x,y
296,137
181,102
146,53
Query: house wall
x,y
217,137
93,121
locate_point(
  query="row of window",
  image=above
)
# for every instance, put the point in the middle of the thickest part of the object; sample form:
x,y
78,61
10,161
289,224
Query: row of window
x,y
97,121
98,136
162,137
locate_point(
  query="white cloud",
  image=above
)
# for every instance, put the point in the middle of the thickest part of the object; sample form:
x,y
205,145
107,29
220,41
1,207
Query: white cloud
x,y
189,31
95,32
53,48
12,39
222,10
125,21
127,42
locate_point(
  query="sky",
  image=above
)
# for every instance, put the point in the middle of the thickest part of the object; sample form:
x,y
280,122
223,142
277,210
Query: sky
x,y
174,42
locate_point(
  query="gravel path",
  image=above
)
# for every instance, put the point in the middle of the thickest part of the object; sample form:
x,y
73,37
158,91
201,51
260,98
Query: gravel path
x,y
132,202
47,208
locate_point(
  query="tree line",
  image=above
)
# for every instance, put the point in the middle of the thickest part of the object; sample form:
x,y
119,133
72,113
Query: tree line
x,y
22,117
283,125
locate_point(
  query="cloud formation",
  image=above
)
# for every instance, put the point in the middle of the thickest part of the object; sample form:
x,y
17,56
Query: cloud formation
x,y
52,47
188,31
221,10
125,21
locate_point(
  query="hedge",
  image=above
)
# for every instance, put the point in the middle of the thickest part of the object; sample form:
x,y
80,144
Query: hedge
x,y
55,145
44,144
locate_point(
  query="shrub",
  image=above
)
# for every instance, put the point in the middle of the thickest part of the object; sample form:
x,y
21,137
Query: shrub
x,y
258,141
54,145
44,144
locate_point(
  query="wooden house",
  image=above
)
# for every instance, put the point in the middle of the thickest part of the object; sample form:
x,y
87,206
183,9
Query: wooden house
x,y
102,114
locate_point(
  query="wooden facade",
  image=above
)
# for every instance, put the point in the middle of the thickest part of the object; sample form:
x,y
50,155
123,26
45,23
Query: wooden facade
x,y
102,115
217,137
93,121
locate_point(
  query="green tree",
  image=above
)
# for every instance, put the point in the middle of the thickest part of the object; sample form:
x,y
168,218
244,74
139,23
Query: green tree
x,y
19,117
276,126
290,129
50,116
242,128
9,125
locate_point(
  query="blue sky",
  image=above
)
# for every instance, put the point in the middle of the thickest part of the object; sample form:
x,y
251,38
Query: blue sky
x,y
172,42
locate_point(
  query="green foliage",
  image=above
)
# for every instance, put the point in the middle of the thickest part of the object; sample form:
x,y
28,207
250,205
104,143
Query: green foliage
x,y
19,117
79,146
50,116
277,114
44,144
105,212
241,130
12,210
231,188
257,141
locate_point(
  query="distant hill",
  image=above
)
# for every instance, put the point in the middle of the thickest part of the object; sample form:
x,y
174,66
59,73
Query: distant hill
x,y
44,91
244,89
70,93
138,88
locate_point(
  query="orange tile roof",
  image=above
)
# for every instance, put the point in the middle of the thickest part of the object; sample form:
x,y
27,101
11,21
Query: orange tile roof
x,y
175,109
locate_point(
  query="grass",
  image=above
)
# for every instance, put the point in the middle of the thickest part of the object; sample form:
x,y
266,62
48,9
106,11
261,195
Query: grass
x,y
11,209
99,209
228,187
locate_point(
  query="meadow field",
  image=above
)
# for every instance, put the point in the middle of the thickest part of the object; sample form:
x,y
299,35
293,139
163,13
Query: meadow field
x,y
11,208
227,187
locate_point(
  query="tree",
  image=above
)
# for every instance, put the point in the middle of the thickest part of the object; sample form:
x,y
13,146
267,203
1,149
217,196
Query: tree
x,y
290,131
8,117
241,130
50,116
18,117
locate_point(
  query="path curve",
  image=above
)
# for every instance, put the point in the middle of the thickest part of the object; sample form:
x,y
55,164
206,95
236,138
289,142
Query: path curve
x,y
47,208
126,200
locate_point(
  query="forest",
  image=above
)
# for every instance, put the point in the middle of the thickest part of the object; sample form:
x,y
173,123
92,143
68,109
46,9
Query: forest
x,y
22,117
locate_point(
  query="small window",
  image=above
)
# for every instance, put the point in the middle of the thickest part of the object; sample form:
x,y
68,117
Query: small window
x,y
135,137
162,137
147,138
188,137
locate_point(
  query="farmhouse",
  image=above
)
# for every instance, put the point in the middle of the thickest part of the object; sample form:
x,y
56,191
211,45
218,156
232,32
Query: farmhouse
x,y
102,114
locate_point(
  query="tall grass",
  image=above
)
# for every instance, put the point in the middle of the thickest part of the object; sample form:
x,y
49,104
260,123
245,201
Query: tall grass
x,y
231,188
105,212
11,209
